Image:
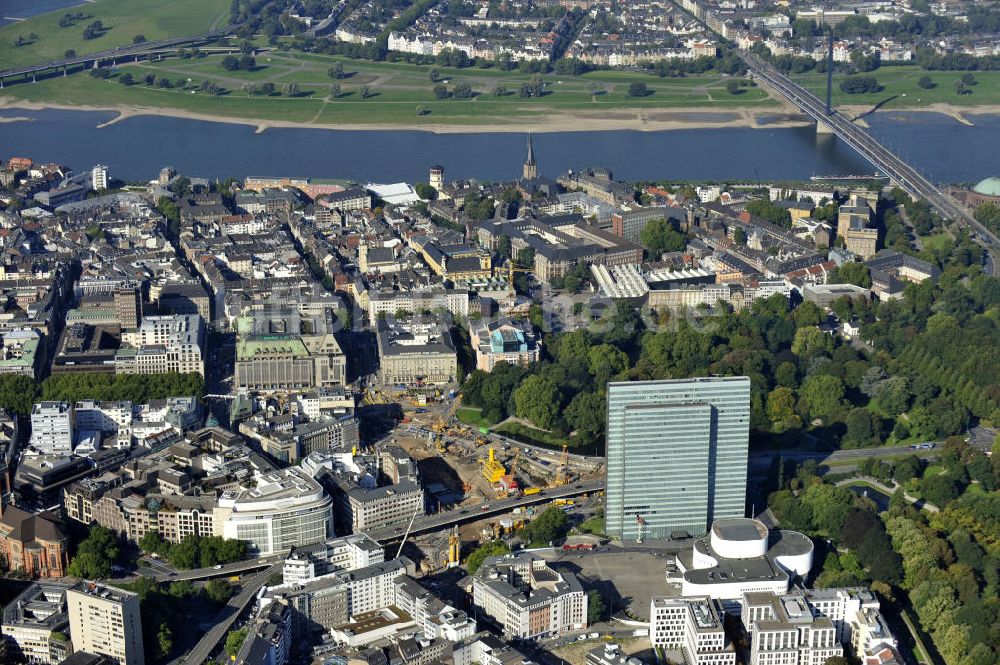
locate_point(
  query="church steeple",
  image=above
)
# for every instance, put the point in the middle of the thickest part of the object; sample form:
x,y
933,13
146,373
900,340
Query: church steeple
x,y
530,171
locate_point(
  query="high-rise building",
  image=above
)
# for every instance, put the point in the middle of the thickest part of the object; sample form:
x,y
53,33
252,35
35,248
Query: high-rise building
x,y
52,428
99,177
105,620
530,171
676,455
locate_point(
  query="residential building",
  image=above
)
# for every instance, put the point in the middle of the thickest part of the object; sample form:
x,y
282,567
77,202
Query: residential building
x,y
513,342
891,271
34,543
285,509
861,240
36,625
52,428
693,626
105,620
99,177
415,352
184,298
354,198
435,618
270,638
856,211
528,598
676,455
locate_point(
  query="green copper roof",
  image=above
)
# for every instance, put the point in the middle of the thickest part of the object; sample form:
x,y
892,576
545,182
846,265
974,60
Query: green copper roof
x,y
249,347
989,187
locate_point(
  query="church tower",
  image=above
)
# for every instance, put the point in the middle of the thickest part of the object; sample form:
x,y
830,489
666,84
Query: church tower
x,y
530,168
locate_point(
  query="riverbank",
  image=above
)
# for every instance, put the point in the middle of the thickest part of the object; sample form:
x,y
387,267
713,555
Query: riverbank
x,y
576,121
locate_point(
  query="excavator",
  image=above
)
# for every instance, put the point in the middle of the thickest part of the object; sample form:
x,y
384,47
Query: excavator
x,y
442,423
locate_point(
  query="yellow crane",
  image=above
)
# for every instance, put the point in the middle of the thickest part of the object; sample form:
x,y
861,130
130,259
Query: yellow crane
x,y
511,269
493,470
562,475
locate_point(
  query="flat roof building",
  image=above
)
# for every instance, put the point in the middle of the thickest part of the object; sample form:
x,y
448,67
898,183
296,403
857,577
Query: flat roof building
x,y
105,620
676,455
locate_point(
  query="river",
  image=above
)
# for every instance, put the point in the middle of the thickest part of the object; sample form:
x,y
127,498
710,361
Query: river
x,y
12,10
137,147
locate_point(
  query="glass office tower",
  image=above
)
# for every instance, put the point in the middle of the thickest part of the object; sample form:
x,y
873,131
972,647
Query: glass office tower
x,y
676,455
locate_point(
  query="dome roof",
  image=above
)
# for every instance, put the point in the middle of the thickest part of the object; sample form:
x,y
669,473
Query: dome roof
x,y
989,187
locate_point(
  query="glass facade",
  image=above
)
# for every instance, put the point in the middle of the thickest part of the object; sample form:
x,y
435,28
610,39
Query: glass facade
x,y
676,455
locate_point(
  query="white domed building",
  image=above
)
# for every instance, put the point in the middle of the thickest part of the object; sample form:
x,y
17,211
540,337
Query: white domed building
x,y
741,555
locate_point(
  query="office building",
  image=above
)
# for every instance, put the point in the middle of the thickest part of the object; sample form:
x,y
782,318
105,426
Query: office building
x,y
52,428
415,352
35,625
128,305
527,598
333,556
784,631
163,343
512,342
105,620
692,626
369,491
285,509
676,455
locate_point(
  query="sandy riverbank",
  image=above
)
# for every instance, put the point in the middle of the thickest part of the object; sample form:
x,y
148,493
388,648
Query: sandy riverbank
x,y
653,120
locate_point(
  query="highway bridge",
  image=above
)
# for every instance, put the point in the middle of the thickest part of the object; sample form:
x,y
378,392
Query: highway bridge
x,y
901,173
227,617
133,51
445,520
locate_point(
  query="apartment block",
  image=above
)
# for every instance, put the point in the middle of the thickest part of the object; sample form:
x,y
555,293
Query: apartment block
x,y
105,620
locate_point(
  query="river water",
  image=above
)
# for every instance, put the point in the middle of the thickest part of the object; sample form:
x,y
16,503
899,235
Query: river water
x,y
137,147
11,10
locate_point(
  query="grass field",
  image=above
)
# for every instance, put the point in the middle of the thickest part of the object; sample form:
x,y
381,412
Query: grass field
x,y
395,92
538,437
122,20
471,415
899,86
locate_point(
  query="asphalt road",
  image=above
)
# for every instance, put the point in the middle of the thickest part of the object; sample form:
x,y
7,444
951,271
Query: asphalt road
x,y
161,572
227,616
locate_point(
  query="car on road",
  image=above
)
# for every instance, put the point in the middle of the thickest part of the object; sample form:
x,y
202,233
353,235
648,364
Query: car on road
x,y
217,566
463,512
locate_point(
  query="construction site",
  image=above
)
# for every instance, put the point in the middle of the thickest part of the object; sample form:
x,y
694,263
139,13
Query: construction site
x,y
464,468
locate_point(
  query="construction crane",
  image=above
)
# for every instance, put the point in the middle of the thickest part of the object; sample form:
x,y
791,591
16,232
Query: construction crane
x,y
511,269
562,475
641,524
454,548
442,422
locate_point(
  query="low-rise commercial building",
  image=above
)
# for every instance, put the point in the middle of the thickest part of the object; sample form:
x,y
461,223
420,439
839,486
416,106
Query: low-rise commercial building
x,y
527,598
165,343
